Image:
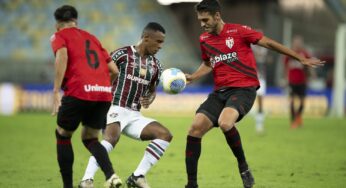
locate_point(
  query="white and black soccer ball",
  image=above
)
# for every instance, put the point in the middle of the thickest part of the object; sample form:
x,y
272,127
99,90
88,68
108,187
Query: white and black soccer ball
x,y
173,81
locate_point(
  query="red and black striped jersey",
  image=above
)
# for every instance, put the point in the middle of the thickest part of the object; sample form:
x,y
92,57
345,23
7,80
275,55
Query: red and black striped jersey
x,y
230,55
136,74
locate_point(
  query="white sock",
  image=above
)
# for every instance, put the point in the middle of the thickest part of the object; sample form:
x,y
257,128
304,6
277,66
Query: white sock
x,y
152,154
259,122
93,166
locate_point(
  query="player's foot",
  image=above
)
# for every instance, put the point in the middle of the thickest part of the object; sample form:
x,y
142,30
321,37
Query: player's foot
x,y
137,182
88,183
191,186
299,120
248,179
113,182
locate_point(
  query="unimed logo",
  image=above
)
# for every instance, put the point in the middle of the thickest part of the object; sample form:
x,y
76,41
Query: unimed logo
x,y
97,88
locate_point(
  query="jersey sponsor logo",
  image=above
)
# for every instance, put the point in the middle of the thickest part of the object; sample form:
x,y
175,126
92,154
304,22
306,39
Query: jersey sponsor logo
x,y
116,55
230,57
229,42
137,79
97,88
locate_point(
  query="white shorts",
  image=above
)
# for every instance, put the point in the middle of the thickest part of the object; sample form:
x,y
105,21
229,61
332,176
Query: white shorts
x,y
131,122
262,90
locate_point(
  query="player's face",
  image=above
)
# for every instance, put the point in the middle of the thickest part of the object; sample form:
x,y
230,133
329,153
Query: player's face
x,y
208,22
154,42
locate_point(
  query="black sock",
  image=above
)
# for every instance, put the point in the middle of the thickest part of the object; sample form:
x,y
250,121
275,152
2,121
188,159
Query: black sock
x,y
300,109
101,156
192,153
234,142
293,113
65,158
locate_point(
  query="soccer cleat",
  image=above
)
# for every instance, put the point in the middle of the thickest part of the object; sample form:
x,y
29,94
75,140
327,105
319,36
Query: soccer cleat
x,y
248,179
113,182
88,183
137,182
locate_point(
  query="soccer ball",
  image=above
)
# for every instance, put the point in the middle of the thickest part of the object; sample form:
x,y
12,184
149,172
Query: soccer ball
x,y
173,81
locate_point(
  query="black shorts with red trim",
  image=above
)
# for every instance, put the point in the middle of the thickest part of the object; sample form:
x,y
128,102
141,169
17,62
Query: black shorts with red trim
x,y
241,99
74,111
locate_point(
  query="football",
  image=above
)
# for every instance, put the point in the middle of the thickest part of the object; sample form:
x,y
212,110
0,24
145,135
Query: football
x,y
173,81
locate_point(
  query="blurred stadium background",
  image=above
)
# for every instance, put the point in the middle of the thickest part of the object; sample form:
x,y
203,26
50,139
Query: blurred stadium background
x,y
27,62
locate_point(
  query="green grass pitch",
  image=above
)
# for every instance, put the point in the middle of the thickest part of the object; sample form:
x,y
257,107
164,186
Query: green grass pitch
x,y
312,156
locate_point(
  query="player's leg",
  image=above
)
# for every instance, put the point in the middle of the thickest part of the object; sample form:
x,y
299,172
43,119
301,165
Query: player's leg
x,y
69,117
260,115
293,113
301,96
111,136
239,103
160,137
93,121
204,120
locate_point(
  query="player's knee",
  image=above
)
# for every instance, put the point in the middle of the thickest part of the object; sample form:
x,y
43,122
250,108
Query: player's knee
x,y
196,131
165,135
111,139
224,126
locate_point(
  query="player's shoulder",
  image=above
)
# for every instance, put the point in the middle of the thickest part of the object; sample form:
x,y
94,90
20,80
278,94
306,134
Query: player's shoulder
x,y
116,54
204,36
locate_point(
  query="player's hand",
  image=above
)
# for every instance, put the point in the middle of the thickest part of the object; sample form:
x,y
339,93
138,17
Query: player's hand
x,y
56,103
189,78
313,62
147,100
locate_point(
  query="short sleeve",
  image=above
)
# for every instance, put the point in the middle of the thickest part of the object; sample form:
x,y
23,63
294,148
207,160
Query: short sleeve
x,y
57,42
250,35
119,56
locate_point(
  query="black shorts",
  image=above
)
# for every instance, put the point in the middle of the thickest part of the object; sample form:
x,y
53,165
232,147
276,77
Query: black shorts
x,y
240,99
299,90
73,111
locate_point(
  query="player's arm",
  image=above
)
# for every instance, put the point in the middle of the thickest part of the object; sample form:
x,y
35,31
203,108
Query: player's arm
x,y
202,70
61,58
113,70
273,45
149,96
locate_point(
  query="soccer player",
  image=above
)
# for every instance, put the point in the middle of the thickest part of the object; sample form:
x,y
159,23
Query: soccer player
x,y
296,75
82,69
134,88
261,57
227,53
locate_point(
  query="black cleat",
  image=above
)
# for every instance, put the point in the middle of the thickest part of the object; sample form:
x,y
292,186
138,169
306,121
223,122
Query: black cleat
x,y
248,179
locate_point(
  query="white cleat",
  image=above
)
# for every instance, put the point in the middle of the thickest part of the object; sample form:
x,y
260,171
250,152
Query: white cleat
x,y
113,182
88,183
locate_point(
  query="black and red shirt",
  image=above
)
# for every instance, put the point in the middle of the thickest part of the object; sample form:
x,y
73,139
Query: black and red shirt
x,y
230,56
87,74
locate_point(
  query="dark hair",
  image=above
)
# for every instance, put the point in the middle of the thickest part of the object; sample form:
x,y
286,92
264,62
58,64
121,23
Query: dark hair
x,y
153,26
65,13
211,6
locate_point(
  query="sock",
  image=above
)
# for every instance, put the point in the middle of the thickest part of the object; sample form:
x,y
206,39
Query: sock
x,y
293,114
234,142
65,158
101,156
259,122
192,153
300,109
152,154
93,166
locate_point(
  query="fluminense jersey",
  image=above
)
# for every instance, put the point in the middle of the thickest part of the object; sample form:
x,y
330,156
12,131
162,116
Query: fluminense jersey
x,y
136,74
87,74
230,56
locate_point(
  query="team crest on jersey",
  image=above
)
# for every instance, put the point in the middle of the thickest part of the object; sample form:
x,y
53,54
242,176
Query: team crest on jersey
x,y
229,42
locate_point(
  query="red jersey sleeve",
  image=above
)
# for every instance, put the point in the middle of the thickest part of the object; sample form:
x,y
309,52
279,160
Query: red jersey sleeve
x,y
103,50
57,42
250,35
